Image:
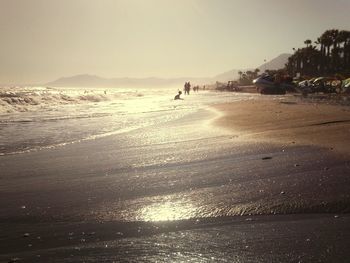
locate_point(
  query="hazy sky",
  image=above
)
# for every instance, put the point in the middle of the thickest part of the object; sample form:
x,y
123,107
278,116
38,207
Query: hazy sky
x,y
42,40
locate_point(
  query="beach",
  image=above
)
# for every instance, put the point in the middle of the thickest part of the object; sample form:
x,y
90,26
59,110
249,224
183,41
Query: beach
x,y
243,178
169,131
290,121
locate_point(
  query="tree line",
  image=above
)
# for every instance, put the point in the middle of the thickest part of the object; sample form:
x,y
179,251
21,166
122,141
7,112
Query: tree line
x,y
328,55
246,78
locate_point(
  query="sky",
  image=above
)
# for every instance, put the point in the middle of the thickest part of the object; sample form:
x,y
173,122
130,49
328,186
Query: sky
x,y
42,40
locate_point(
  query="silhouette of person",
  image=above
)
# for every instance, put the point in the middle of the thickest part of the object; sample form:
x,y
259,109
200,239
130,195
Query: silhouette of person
x,y
177,97
186,88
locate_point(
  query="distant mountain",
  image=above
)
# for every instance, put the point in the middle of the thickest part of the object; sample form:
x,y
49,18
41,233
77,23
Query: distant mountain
x,y
86,80
79,80
276,63
229,75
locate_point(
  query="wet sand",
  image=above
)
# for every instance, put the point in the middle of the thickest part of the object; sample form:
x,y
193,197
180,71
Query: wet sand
x,y
278,238
187,190
289,121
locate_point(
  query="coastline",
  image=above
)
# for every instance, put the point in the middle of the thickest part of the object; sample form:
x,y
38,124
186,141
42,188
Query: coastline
x,y
288,121
178,180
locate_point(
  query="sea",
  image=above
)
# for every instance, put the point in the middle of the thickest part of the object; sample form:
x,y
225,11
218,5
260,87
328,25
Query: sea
x,y
34,118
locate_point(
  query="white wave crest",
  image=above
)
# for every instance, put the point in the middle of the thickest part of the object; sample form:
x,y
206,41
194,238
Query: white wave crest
x,y
28,99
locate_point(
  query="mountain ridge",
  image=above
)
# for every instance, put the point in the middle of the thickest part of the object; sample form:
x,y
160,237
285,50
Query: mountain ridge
x,y
90,80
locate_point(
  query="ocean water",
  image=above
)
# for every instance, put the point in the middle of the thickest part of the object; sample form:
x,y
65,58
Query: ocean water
x,y
33,118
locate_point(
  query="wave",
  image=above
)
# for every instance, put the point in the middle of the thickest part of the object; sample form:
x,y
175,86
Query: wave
x,y
28,99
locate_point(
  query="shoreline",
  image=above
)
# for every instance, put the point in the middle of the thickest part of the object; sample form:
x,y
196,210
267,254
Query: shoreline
x,y
288,121
185,179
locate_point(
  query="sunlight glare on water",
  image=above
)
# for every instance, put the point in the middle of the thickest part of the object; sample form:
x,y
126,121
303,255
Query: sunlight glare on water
x,y
82,114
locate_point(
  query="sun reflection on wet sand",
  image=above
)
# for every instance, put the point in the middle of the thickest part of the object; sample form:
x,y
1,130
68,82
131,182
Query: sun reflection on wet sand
x,y
167,211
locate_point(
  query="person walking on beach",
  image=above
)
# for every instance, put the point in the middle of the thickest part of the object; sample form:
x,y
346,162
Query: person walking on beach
x,y
187,88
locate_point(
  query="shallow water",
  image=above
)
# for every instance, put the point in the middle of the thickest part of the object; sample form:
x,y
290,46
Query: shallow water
x,y
33,118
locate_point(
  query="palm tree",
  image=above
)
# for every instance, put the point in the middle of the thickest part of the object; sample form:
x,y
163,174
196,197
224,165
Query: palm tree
x,y
290,66
240,75
256,72
327,40
343,38
307,42
298,58
250,76
334,34
347,50
320,41
335,51
330,55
